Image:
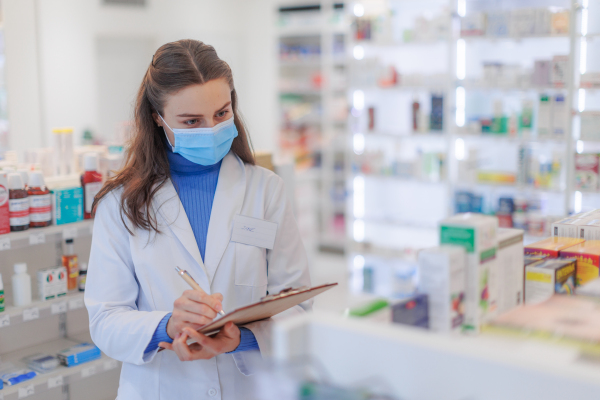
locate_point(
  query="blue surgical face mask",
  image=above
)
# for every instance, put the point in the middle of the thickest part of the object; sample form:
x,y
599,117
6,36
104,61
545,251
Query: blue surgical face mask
x,y
204,146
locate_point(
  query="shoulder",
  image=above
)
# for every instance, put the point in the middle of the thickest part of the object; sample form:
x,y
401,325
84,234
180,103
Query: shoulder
x,y
256,175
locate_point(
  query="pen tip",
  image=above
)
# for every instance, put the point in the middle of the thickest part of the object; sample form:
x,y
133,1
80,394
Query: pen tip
x,y
177,269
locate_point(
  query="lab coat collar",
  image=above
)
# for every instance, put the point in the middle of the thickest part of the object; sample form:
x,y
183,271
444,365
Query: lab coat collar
x,y
229,197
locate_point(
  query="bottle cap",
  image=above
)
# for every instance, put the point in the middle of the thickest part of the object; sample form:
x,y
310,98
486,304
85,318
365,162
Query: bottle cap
x,y
36,179
24,176
90,162
83,266
15,181
20,268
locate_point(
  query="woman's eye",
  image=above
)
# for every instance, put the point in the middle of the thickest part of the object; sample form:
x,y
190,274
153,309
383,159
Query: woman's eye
x,y
191,122
222,113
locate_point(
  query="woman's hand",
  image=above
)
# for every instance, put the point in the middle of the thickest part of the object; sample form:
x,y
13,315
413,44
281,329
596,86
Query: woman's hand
x,y
193,309
206,347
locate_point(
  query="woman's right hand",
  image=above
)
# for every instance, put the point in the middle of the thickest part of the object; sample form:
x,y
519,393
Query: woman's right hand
x,y
194,309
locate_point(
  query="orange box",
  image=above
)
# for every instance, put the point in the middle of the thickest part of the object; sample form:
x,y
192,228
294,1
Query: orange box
x,y
551,247
588,260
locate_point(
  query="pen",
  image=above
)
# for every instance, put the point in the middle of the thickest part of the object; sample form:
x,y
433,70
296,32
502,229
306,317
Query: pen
x,y
188,278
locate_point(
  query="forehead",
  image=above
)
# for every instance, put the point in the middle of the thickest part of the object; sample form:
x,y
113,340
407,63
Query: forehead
x,y
202,99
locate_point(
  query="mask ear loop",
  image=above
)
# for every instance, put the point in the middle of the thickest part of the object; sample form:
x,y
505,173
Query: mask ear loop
x,y
164,130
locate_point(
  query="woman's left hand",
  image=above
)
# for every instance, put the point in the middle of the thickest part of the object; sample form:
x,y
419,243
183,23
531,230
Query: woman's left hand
x,y
206,347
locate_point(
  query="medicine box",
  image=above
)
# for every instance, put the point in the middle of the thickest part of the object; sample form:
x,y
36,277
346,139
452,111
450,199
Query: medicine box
x,y
52,283
558,70
591,230
588,260
569,227
586,171
522,22
542,280
551,247
413,311
509,268
473,24
476,233
590,289
67,205
4,218
442,276
79,354
559,22
590,124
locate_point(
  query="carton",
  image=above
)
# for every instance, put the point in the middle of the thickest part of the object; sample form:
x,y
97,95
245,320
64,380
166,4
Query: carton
x,y
46,284
590,231
67,205
4,218
60,278
588,260
544,279
586,171
551,247
509,268
476,233
569,227
442,277
413,311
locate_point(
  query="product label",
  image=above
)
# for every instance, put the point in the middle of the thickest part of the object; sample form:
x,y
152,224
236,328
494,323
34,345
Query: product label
x,y
3,195
4,218
18,211
2,306
91,190
464,237
587,269
40,208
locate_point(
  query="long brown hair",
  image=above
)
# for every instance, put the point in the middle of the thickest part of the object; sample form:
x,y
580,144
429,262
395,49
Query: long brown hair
x,y
174,66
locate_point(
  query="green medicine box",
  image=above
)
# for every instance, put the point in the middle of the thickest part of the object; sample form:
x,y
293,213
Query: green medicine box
x,y
67,205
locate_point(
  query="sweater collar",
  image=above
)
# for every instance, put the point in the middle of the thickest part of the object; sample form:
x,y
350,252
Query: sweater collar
x,y
180,165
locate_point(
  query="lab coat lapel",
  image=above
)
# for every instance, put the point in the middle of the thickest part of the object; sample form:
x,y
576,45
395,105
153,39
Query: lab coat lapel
x,y
228,201
170,207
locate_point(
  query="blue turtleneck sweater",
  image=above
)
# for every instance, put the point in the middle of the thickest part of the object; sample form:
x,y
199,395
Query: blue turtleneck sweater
x,y
196,186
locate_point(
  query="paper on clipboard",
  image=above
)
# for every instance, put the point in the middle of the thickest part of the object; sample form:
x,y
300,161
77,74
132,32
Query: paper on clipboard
x,y
270,305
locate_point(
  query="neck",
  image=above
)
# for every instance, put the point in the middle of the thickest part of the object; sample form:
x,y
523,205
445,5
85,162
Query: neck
x,y
179,165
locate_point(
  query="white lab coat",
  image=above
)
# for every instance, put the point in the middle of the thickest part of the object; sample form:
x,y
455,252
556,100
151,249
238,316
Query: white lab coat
x,y
132,283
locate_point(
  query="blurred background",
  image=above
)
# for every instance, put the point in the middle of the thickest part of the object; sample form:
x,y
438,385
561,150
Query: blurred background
x,y
384,117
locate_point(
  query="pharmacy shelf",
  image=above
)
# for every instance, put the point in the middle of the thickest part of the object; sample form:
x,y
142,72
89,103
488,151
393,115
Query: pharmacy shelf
x,y
400,179
505,138
308,62
41,309
514,187
300,92
489,38
49,234
398,223
61,375
429,135
508,88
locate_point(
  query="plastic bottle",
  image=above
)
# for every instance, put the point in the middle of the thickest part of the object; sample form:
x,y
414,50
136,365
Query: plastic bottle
x,y
21,285
24,176
70,262
91,181
18,203
40,207
82,276
1,294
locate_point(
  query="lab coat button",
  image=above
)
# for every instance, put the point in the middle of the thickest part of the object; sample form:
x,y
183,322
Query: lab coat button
x,y
212,392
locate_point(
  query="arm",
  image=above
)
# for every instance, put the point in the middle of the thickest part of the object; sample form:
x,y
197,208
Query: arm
x,y
160,334
117,327
287,267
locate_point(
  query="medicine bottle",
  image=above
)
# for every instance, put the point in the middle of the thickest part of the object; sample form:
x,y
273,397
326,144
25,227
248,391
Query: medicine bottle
x,y
40,207
91,181
18,203
70,262
21,285
82,276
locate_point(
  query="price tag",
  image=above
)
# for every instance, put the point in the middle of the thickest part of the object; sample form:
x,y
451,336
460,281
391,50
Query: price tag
x,y
37,238
88,371
59,308
4,320
55,381
31,314
26,391
4,244
69,233
76,303
110,364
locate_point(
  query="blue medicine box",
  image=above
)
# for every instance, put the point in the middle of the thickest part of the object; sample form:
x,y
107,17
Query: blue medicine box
x,y
412,311
67,205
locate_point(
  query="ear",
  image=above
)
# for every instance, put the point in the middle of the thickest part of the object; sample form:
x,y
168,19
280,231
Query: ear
x,y
156,119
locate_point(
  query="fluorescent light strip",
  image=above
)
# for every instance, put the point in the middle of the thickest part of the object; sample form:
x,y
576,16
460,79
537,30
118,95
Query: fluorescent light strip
x,y
359,230
461,8
358,143
459,149
359,197
460,106
583,56
578,202
461,59
581,100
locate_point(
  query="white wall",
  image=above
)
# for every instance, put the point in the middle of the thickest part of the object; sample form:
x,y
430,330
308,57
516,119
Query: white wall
x,y
67,35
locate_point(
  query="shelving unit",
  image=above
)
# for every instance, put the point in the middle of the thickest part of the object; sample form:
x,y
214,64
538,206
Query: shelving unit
x,y
313,38
47,326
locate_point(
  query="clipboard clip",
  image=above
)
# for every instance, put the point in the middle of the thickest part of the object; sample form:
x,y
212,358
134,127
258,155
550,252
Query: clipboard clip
x,y
284,293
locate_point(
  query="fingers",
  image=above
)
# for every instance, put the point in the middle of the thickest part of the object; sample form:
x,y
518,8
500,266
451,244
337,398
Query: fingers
x,y
198,308
166,345
218,296
213,301
212,345
181,348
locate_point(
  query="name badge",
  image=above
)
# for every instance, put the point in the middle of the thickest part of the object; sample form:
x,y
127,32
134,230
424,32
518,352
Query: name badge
x,y
254,232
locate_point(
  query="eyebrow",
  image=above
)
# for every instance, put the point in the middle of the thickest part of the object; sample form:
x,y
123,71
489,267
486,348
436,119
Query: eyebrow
x,y
200,115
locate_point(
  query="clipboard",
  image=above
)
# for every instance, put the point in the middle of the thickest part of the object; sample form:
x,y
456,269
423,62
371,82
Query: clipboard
x,y
267,307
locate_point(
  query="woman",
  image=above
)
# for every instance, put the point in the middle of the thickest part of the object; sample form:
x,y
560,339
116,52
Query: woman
x,y
189,178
